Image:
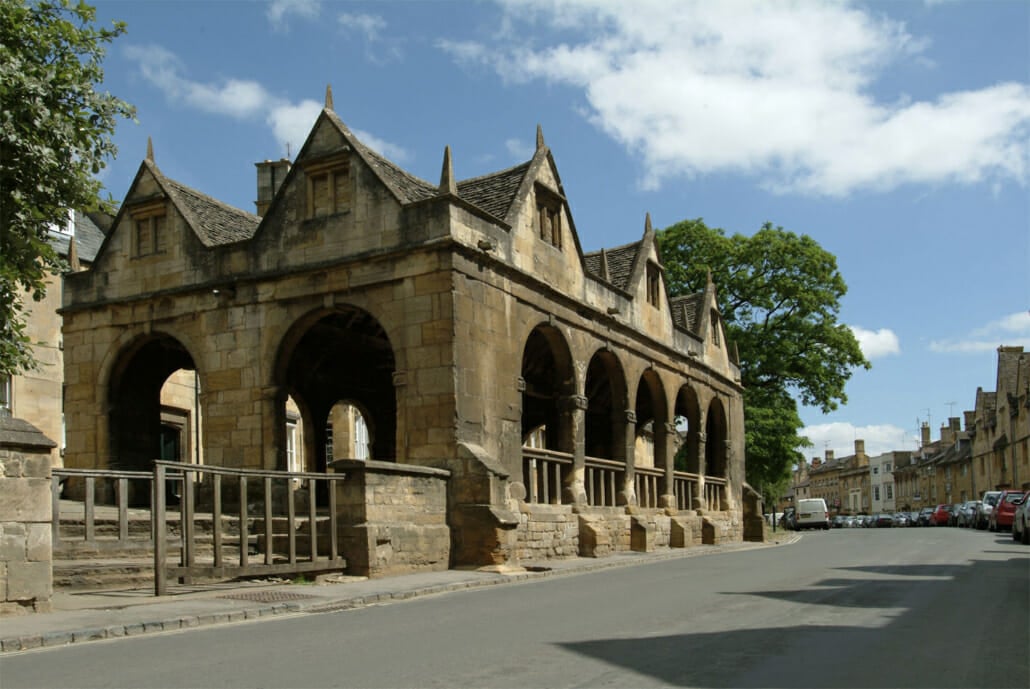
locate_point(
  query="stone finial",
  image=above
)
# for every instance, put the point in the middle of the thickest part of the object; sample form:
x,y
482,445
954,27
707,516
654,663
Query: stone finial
x,y
647,223
447,183
329,97
539,137
709,278
73,255
150,149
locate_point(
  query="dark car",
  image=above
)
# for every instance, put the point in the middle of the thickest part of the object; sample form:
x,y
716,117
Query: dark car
x,y
1003,513
940,515
883,521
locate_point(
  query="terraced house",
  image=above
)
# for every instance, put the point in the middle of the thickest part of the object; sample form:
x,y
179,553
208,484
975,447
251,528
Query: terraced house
x,y
460,322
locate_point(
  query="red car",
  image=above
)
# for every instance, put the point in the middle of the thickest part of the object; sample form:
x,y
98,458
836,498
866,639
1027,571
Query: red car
x,y
940,515
1005,510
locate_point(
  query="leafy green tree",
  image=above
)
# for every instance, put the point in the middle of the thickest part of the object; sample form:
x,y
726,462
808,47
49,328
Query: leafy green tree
x,y
55,136
779,294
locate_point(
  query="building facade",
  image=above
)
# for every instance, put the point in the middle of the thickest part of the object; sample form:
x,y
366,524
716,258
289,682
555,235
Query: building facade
x,y
462,320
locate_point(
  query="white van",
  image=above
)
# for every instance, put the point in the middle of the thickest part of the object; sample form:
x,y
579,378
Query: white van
x,y
811,513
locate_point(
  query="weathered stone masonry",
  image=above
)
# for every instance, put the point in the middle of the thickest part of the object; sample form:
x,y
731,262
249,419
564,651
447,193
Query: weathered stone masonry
x,y
463,319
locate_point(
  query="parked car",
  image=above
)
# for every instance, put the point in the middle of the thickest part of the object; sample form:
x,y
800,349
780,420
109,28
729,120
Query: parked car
x,y
967,513
1021,522
812,514
987,503
901,519
924,516
881,521
1003,513
953,515
940,515
787,520
838,521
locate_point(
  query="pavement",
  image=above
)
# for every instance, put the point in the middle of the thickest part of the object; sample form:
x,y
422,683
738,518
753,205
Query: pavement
x,y
84,616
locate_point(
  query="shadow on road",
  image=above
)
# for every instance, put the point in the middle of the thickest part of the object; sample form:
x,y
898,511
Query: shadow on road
x,y
917,647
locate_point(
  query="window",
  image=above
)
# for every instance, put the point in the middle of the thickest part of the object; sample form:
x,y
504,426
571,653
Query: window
x,y
360,437
329,188
291,446
876,470
329,442
715,327
876,493
149,221
654,285
5,395
889,490
886,467
548,207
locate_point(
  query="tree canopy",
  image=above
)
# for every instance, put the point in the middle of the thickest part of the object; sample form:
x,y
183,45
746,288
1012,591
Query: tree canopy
x,y
56,128
779,294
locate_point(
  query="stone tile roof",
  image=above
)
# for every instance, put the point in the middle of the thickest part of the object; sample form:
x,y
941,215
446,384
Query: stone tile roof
x,y
686,311
89,235
405,186
494,193
620,262
20,433
215,223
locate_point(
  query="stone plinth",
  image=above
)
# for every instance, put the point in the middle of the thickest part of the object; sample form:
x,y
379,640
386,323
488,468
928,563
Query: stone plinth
x,y
26,551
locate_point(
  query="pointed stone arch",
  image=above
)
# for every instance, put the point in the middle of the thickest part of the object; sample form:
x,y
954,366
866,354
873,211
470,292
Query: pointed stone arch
x,y
549,380
716,434
687,418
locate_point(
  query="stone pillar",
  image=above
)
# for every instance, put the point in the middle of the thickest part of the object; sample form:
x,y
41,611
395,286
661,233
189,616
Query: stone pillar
x,y
26,548
699,497
628,494
668,498
575,408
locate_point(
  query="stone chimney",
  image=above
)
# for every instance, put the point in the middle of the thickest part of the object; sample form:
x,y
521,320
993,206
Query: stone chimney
x,y
816,462
970,419
924,432
861,458
270,176
829,455
859,447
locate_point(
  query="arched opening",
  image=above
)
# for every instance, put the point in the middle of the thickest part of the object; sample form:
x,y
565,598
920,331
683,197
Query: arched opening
x,y
715,441
348,434
154,410
687,418
549,382
605,391
651,418
331,366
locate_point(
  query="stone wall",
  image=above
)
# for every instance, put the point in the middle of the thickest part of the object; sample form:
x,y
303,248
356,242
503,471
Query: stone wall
x,y
546,532
26,572
393,518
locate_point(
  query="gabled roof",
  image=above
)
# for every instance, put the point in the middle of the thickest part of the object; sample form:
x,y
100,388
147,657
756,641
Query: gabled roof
x,y
687,311
617,263
214,222
494,193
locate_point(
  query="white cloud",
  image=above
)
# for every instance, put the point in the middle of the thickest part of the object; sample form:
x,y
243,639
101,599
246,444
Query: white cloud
x,y
777,90
1010,330
840,437
519,149
876,343
368,24
242,99
279,9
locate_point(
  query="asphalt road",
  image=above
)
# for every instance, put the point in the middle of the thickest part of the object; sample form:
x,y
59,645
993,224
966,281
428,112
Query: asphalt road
x,y
926,607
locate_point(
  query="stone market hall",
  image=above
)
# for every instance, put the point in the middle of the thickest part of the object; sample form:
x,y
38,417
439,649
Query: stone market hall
x,y
570,405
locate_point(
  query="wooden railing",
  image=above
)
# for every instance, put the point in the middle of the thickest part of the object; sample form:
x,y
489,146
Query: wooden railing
x,y
279,528
543,474
98,487
604,479
715,493
684,488
647,481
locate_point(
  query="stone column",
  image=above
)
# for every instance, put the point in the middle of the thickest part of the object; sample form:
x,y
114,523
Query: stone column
x,y
699,497
628,495
574,490
26,546
668,498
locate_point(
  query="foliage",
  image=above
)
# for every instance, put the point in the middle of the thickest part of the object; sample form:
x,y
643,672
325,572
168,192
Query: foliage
x,y
55,136
779,294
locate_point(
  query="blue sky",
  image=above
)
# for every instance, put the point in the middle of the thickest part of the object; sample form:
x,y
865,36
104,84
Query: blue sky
x,y
897,134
